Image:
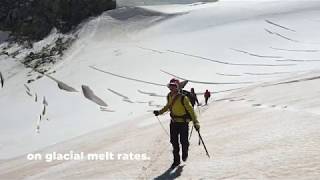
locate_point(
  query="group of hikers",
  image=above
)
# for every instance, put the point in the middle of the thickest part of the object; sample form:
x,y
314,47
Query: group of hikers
x,y
180,104
193,98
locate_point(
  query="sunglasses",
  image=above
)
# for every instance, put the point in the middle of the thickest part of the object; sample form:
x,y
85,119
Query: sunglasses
x,y
172,86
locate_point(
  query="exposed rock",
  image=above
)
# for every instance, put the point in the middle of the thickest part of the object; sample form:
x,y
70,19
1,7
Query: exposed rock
x,y
49,55
34,19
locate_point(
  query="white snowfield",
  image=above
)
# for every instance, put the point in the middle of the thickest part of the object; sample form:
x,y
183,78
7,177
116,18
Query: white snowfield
x,y
260,59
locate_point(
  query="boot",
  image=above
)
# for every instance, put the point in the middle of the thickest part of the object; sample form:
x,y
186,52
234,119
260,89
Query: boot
x,y
174,164
184,156
176,159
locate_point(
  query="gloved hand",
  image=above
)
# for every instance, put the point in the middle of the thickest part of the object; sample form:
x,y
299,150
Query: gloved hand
x,y
197,127
156,113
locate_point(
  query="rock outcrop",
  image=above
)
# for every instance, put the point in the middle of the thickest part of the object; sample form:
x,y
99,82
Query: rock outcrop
x,y
34,19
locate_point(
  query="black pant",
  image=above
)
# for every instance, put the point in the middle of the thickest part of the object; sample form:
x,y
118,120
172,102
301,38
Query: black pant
x,y
176,129
206,99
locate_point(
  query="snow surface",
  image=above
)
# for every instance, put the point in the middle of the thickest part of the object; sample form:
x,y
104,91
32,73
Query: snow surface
x,y
260,60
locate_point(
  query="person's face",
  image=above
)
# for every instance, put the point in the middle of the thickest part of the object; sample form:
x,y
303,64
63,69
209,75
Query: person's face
x,y
173,88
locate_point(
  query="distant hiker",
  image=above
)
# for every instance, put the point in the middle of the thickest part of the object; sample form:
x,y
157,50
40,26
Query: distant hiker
x,y
181,113
207,96
191,95
193,98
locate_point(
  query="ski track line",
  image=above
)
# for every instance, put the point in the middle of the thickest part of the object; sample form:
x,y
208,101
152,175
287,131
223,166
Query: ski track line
x,y
227,90
150,103
117,93
221,91
299,60
256,55
263,74
273,106
282,36
287,38
283,27
293,81
222,74
125,77
228,63
296,50
149,49
213,92
151,94
201,82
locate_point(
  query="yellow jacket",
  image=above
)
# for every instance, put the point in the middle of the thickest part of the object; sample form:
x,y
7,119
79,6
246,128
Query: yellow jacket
x,y
178,109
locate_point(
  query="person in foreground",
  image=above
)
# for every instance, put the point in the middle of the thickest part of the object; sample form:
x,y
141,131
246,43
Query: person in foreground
x,y
181,113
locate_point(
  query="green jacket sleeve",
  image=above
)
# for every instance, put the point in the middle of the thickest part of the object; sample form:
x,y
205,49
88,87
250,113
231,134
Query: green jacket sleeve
x,y
190,110
166,107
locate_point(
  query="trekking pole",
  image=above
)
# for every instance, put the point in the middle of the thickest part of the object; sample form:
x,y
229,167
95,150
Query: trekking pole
x,y
199,110
205,148
163,126
199,115
191,133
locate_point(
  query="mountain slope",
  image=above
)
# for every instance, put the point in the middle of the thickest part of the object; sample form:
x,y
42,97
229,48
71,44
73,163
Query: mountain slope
x,y
262,67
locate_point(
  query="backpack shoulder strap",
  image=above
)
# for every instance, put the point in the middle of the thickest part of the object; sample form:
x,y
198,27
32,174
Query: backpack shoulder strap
x,y
182,102
182,98
185,109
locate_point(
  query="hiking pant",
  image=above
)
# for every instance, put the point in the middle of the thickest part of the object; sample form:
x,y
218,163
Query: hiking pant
x,y
179,129
206,99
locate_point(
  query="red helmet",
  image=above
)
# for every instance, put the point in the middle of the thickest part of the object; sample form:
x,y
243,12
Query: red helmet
x,y
174,82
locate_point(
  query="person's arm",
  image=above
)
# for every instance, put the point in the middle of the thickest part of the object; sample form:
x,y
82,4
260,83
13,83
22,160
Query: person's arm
x,y
166,107
195,95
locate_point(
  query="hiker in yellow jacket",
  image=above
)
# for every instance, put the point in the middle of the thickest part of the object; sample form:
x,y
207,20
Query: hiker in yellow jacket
x,y
181,112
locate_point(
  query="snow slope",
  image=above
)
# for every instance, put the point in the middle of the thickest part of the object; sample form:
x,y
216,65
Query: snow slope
x,y
260,59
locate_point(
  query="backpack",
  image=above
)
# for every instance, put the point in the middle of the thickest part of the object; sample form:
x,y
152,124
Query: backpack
x,y
190,96
184,94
